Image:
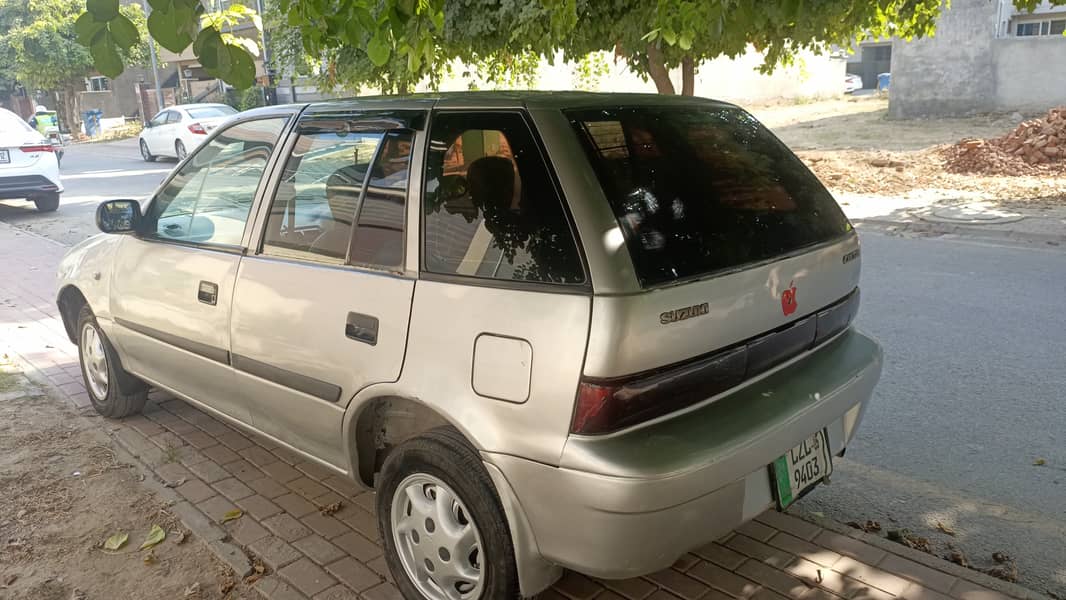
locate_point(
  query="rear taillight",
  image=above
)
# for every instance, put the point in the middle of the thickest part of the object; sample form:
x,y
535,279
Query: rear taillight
x,y
197,129
38,148
608,405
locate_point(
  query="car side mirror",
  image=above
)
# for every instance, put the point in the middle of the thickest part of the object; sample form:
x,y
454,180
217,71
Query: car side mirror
x,y
118,216
148,125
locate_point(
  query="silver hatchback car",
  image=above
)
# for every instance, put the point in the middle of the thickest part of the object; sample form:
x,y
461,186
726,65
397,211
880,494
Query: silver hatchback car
x,y
552,330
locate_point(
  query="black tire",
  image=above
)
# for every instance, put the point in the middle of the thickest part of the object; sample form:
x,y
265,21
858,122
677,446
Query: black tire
x,y
179,150
47,202
446,455
126,394
146,154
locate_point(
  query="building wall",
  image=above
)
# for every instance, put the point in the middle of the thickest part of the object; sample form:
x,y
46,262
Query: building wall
x,y
969,66
950,73
1023,82
736,80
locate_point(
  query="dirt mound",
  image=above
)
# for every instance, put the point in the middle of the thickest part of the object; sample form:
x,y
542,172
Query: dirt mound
x,y
1023,151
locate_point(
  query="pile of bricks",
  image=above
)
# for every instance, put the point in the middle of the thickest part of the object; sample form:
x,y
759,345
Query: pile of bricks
x,y
1033,143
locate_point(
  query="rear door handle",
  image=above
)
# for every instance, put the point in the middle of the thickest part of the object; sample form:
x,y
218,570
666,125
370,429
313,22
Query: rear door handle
x,y
208,293
361,328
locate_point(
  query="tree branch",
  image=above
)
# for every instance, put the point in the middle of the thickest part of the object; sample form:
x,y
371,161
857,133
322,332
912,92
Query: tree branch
x,y
657,71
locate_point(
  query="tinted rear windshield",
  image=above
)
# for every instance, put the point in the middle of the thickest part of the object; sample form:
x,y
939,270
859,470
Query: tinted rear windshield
x,y
703,189
207,112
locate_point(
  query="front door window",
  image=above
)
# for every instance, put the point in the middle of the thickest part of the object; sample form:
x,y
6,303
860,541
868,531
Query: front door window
x,y
209,199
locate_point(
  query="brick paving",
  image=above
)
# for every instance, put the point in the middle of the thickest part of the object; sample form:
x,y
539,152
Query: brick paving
x,y
316,556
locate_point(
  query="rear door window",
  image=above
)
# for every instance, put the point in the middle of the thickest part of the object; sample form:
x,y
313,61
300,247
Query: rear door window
x,y
703,189
492,209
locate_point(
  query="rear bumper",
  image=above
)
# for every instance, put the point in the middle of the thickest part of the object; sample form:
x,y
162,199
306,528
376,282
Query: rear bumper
x,y
632,503
23,186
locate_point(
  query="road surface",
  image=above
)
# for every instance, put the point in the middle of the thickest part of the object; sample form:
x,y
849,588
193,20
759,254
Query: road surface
x,y
91,173
973,392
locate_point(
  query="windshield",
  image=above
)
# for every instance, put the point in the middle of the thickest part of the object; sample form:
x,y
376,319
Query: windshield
x,y
209,112
703,189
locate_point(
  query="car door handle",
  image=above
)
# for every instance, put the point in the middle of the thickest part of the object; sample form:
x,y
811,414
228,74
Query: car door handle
x,y
362,328
208,293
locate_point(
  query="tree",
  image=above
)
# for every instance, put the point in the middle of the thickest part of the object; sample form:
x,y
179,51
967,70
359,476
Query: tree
x,y
39,47
394,43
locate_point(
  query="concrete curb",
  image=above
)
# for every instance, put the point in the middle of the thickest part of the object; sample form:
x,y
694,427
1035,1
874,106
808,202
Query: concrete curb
x,y
929,560
969,231
216,538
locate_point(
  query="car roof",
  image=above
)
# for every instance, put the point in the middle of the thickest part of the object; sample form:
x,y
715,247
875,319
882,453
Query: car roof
x,y
505,99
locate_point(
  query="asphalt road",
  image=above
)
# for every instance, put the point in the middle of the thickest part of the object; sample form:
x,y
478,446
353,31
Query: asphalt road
x,y
91,173
973,392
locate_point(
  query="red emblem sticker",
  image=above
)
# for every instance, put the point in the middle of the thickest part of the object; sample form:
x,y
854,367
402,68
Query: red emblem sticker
x,y
788,300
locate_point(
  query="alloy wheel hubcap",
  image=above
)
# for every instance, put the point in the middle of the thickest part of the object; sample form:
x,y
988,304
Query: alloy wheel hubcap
x,y
181,150
94,361
437,540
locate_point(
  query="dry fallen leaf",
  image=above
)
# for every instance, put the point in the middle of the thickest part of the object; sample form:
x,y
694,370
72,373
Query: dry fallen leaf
x,y
193,591
329,509
150,559
155,536
231,515
8,580
942,528
1001,557
116,541
180,536
174,484
1039,462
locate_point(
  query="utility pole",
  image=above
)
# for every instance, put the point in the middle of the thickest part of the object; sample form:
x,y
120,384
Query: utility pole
x,y
155,64
265,40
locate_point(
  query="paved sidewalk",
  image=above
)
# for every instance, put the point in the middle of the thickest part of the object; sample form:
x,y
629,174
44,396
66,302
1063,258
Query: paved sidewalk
x,y
311,554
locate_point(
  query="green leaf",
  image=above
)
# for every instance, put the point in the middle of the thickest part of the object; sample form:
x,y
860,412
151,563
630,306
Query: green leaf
x,y
124,32
106,57
87,27
163,5
669,36
116,541
232,515
168,30
378,49
365,19
155,536
250,46
241,74
684,41
103,10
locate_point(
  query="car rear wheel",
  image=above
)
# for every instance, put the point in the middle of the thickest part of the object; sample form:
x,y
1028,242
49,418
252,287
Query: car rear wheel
x,y
146,154
114,392
179,150
47,202
445,533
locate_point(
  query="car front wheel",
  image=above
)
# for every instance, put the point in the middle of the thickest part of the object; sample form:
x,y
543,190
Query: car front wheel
x,y
146,154
114,392
445,533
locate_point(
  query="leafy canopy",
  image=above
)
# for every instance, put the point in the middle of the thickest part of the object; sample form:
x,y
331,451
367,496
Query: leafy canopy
x,y
396,43
40,42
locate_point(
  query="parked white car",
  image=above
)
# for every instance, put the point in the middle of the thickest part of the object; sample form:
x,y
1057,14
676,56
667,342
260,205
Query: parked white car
x,y
29,167
852,83
177,130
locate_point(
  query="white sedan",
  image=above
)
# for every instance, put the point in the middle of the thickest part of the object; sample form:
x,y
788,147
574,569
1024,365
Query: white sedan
x,y
28,165
177,130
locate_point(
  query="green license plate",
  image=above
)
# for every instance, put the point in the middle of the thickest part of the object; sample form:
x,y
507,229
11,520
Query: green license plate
x,y
801,468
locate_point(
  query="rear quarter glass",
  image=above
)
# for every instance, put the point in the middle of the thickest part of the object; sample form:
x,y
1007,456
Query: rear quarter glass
x,y
698,190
